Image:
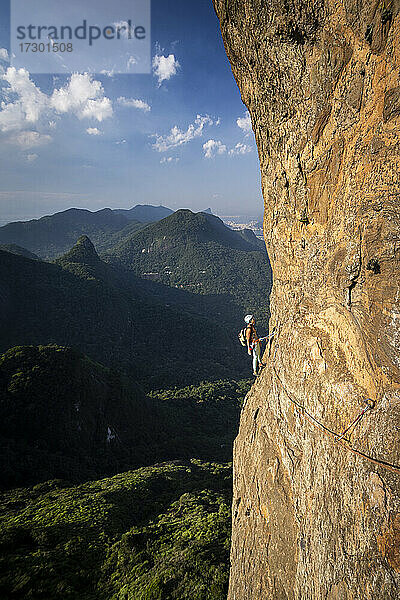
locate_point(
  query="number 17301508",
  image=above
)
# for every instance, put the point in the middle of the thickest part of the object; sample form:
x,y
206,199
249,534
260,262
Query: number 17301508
x,y
42,47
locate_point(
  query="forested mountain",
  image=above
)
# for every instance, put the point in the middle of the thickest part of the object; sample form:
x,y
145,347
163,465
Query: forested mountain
x,y
160,531
63,415
198,253
51,236
145,213
106,242
154,533
250,237
206,277
143,328
184,226
60,414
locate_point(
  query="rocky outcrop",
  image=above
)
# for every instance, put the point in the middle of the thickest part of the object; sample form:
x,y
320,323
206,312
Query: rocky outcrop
x,y
316,516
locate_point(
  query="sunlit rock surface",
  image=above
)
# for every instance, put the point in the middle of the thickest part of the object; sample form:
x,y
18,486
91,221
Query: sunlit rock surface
x,y
311,518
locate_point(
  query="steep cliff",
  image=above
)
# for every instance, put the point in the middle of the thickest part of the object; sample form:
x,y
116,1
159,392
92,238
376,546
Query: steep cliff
x,y
316,516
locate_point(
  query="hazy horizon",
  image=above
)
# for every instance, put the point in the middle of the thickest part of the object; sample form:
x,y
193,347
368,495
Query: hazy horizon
x,y
246,216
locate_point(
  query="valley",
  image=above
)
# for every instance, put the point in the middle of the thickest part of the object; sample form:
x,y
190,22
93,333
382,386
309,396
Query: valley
x,y
121,386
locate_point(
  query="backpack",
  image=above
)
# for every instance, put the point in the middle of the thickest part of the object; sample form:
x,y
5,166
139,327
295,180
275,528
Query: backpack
x,y
242,336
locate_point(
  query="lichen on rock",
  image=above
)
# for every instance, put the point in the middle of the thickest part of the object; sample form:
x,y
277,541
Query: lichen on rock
x,y
311,518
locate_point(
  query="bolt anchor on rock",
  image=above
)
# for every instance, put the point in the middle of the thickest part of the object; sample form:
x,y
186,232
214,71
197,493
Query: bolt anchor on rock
x,y
370,404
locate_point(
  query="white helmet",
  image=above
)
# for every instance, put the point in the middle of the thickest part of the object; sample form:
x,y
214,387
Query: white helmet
x,y
248,318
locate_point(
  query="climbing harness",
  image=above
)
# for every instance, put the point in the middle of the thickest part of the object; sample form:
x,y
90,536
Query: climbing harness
x,y
243,339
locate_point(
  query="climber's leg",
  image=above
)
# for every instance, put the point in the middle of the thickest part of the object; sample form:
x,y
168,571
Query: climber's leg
x,y
255,360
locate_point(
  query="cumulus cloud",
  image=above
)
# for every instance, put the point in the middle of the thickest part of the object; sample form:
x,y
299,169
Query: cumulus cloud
x,y
30,103
30,158
4,55
29,139
240,149
133,103
93,131
244,123
165,67
178,137
213,147
96,109
82,96
27,105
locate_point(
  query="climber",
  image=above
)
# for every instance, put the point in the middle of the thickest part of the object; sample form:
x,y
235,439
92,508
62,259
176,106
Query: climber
x,y
253,344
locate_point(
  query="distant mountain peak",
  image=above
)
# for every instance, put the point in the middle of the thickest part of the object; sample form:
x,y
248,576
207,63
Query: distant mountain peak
x,y
83,253
174,233
145,213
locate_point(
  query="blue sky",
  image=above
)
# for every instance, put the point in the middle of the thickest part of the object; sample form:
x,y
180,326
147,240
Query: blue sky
x,y
179,136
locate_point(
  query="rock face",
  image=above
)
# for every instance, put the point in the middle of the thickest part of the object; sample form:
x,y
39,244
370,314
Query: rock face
x,y
315,516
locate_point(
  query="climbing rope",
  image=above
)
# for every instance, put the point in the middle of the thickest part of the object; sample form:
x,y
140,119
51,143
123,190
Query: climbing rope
x,y
370,405
340,438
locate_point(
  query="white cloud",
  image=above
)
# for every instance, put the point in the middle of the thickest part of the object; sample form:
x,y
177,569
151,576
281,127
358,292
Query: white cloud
x,y
4,55
26,104
240,149
30,104
84,97
31,157
170,159
133,103
213,147
93,131
244,123
96,109
121,142
165,67
29,139
177,137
